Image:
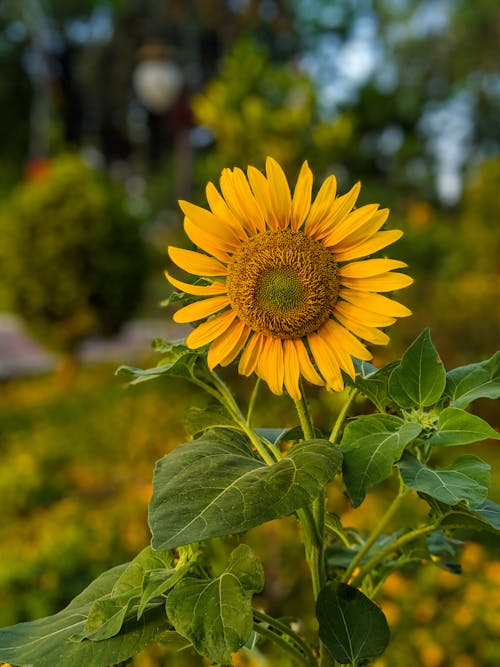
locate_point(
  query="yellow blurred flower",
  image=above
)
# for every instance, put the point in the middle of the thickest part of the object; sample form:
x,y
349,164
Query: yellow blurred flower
x,y
282,289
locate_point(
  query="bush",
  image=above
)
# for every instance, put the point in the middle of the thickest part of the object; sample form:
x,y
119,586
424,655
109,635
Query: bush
x,y
73,257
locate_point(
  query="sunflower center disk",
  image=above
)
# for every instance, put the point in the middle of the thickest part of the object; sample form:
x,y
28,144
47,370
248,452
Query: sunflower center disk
x,y
283,284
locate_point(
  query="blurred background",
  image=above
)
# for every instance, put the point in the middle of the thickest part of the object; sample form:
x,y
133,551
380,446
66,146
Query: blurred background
x,y
110,112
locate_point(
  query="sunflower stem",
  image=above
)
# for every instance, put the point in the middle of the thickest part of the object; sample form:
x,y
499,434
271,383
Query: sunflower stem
x,y
351,393
313,522
306,653
227,400
382,524
393,546
253,399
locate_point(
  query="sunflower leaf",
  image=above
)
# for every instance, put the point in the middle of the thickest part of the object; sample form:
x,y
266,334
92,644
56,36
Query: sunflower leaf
x,y
481,380
180,365
49,641
216,614
420,378
197,420
371,444
466,480
375,384
458,427
213,487
350,625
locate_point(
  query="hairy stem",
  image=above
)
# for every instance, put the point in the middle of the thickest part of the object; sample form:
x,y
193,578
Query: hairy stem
x,y
253,399
224,396
351,393
284,629
313,522
387,550
384,521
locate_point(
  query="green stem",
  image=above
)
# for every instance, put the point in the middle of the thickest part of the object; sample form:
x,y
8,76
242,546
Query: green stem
x,y
351,395
253,399
282,643
226,398
313,522
284,629
393,546
304,418
385,520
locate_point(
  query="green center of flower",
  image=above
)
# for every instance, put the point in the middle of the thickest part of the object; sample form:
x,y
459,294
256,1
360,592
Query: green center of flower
x,y
283,283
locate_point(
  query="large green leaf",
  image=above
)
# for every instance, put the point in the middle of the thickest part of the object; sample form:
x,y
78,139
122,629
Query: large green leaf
x,y
466,480
371,444
481,380
485,518
458,427
351,626
213,487
420,376
197,420
374,383
216,614
47,642
179,361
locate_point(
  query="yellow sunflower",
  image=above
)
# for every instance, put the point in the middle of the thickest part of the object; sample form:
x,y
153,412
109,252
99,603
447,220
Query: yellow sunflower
x,y
282,287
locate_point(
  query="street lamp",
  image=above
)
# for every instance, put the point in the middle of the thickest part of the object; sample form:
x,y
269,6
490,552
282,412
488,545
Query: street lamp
x,y
157,81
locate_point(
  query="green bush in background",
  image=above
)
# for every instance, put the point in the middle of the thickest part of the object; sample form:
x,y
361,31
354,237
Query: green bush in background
x,y
73,259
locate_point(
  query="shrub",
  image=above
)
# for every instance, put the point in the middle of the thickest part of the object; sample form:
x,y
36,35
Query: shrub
x,y
73,257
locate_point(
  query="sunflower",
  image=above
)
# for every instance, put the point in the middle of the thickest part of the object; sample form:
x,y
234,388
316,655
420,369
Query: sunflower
x,y
280,284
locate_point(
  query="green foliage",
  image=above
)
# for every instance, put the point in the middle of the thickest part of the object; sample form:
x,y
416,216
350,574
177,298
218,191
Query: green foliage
x,y
215,486
256,108
216,614
73,258
350,624
51,640
189,590
370,446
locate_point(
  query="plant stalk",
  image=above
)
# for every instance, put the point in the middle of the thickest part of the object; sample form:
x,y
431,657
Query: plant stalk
x,y
385,520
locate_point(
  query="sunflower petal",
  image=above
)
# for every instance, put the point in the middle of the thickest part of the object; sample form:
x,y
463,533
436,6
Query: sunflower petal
x,y
292,369
339,227
340,212
198,290
222,211
260,188
371,334
383,282
370,267
206,241
200,309
210,330
364,231
321,205
301,202
376,242
280,192
331,333
249,206
306,367
351,344
270,366
376,303
225,235
196,263
229,188
250,356
228,344
363,316
326,362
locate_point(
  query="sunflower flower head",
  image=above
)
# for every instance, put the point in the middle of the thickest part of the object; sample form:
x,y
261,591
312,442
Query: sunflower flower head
x,y
288,289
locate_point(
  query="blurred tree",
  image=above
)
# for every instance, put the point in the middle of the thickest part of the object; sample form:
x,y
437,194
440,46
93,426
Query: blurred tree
x,y
73,258
256,108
